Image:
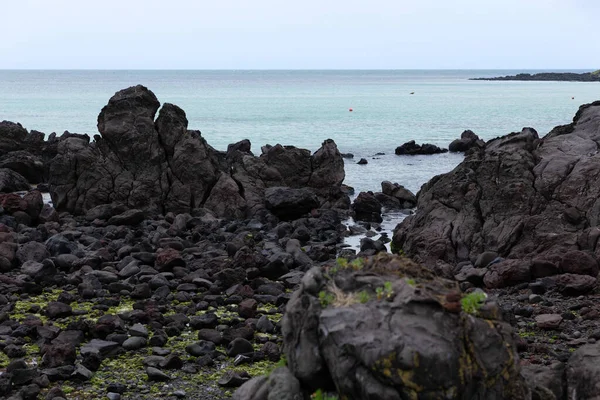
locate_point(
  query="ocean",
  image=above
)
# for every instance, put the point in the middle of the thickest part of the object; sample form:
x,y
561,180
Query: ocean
x,y
303,108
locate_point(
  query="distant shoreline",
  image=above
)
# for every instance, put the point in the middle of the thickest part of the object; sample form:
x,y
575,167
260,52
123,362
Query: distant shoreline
x,y
547,76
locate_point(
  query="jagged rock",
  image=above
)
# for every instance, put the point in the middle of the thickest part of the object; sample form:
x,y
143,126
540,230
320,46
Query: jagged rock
x,y
393,342
411,148
405,197
225,199
532,201
467,140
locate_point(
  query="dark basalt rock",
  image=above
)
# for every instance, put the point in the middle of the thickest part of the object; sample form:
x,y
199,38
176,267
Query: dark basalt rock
x,y
367,207
411,149
533,202
11,181
468,139
288,203
155,164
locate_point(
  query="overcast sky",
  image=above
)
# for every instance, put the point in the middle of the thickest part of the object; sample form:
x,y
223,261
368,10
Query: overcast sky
x,y
305,34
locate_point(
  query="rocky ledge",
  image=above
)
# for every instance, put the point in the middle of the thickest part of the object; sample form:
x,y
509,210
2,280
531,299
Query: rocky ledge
x,y
548,76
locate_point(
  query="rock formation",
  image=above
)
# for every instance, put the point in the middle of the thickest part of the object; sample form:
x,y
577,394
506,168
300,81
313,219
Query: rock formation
x,y
533,204
411,149
467,140
157,165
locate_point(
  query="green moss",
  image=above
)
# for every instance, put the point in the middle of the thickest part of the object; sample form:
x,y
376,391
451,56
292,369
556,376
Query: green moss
x,y
4,360
326,298
320,395
472,302
364,297
526,334
23,307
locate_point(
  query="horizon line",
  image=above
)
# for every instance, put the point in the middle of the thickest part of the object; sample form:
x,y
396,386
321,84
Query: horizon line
x,y
294,69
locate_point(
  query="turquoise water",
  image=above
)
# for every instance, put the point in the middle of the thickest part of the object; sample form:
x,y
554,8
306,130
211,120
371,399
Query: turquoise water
x,y
303,108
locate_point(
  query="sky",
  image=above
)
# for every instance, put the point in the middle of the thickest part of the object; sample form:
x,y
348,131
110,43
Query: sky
x,y
307,34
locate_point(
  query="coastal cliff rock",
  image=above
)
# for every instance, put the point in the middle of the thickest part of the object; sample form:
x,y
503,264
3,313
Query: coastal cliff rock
x,y
157,165
392,330
533,203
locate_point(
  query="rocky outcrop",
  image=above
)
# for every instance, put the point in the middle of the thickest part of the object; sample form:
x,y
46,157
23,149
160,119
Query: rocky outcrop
x,y
533,202
26,153
412,149
157,165
389,329
548,76
467,140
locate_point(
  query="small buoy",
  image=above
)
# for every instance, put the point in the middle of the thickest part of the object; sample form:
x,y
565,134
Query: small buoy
x,y
350,110
412,92
572,98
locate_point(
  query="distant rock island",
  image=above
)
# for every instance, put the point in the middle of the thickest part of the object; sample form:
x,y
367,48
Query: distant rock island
x,y
548,76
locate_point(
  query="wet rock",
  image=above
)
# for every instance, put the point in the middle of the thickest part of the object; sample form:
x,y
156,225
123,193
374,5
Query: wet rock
x,y
411,148
56,309
134,343
239,346
200,348
233,379
155,374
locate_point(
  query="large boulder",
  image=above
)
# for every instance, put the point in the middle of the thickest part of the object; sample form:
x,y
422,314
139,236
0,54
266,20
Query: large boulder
x,y
535,202
392,330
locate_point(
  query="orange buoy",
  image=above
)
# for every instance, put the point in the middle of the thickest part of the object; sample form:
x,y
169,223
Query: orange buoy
x,y
350,110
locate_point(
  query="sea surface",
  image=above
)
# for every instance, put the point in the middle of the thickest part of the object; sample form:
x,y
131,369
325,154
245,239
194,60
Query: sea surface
x,y
303,108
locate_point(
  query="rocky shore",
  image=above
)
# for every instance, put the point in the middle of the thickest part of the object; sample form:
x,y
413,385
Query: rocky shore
x,y
164,268
548,76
